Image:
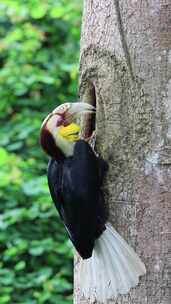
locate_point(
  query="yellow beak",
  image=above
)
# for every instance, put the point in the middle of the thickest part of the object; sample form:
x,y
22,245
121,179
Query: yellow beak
x,y
70,132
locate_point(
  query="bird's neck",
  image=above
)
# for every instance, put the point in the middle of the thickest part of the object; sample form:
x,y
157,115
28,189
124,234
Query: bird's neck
x,y
66,147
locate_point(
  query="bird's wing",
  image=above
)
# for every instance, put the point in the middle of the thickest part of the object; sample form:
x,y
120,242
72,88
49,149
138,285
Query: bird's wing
x,y
54,174
80,191
75,191
55,180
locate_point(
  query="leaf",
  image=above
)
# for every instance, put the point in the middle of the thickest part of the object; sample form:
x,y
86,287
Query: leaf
x,y
6,276
38,10
36,186
4,299
20,266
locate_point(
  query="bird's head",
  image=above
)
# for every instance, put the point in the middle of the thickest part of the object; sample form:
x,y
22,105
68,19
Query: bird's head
x,y
59,132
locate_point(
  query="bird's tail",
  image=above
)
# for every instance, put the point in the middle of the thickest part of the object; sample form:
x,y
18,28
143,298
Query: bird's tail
x,y
112,270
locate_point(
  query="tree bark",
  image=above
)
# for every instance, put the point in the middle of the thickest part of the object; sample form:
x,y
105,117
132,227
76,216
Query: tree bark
x,y
125,65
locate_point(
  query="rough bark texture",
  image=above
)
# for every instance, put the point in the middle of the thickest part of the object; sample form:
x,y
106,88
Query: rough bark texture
x,y
126,58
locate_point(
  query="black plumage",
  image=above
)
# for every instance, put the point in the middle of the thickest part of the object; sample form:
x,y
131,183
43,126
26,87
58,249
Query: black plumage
x,y
74,185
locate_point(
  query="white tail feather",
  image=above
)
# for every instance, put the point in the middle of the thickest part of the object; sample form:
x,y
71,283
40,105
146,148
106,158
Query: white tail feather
x,y
113,269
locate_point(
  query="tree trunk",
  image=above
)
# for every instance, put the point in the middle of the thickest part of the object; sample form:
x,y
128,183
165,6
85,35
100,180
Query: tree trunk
x,y
125,65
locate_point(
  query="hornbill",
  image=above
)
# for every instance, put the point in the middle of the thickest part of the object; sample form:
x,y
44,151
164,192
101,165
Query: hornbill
x,y
109,266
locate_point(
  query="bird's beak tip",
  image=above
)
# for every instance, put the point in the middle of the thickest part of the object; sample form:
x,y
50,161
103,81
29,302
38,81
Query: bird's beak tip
x,y
82,107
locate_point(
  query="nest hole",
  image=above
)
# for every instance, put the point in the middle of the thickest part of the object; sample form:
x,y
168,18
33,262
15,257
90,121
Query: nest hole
x,y
89,120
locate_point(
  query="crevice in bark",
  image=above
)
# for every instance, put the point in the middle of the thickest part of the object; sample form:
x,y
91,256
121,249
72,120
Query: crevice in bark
x,y
123,38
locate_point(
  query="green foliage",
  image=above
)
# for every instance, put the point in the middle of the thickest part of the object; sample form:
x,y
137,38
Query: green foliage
x,y
38,59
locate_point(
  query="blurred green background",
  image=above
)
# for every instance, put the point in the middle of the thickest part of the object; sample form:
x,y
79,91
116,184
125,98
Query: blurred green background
x,y
39,51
